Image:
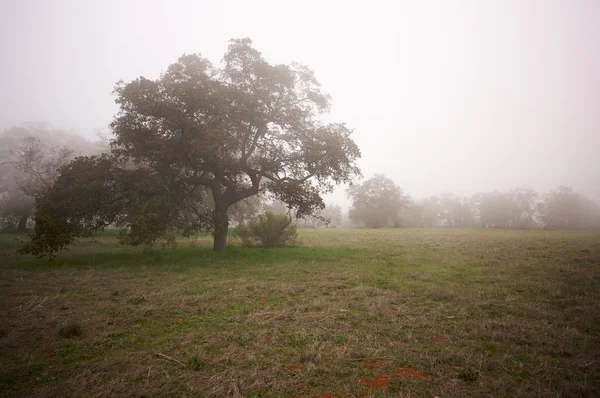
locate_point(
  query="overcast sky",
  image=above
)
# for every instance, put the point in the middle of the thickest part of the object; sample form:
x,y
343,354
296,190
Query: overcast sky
x,y
460,96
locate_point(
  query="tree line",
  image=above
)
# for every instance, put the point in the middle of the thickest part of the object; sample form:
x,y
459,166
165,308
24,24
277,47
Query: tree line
x,y
378,202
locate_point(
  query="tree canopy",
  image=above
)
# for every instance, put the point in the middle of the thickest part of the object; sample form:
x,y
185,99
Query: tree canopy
x,y
230,132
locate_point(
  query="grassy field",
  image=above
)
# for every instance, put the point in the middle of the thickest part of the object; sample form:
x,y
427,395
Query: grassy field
x,y
349,313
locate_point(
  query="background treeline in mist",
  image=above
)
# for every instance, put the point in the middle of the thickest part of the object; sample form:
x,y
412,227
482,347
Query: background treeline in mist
x,y
378,202
32,154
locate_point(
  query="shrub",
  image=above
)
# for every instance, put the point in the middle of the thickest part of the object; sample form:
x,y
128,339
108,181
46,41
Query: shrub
x,y
268,230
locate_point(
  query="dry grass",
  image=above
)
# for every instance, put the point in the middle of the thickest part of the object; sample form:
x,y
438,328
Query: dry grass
x,y
386,313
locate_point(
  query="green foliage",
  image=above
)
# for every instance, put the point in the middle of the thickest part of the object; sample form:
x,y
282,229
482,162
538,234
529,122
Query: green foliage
x,y
92,193
268,230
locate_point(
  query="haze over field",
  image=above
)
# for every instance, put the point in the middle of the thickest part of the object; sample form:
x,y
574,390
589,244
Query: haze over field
x,y
461,96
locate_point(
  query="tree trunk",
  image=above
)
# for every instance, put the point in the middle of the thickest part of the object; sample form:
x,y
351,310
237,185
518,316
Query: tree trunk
x,y
22,228
221,221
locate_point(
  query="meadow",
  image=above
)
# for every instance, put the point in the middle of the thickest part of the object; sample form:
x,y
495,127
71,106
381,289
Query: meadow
x,y
347,313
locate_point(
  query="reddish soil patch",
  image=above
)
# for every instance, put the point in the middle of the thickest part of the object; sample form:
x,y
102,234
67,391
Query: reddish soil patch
x,y
379,381
409,372
371,364
290,367
326,360
438,338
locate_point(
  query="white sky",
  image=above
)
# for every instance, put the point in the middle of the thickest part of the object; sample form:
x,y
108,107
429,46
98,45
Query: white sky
x,y
460,96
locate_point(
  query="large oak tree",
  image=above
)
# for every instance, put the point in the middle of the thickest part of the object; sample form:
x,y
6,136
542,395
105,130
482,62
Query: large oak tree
x,y
232,131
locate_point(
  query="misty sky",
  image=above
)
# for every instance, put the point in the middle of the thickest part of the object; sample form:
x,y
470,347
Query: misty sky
x,y
460,96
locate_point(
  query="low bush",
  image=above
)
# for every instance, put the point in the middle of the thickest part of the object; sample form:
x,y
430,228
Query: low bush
x,y
268,230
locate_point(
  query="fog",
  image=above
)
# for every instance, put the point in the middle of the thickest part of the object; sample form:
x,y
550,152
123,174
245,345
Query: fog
x,y
461,96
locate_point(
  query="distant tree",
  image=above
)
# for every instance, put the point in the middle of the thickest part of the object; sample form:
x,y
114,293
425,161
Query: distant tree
x,y
564,208
513,209
245,209
31,156
432,210
414,214
234,131
497,210
333,215
276,207
377,202
526,200
467,214
38,163
456,212
330,216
